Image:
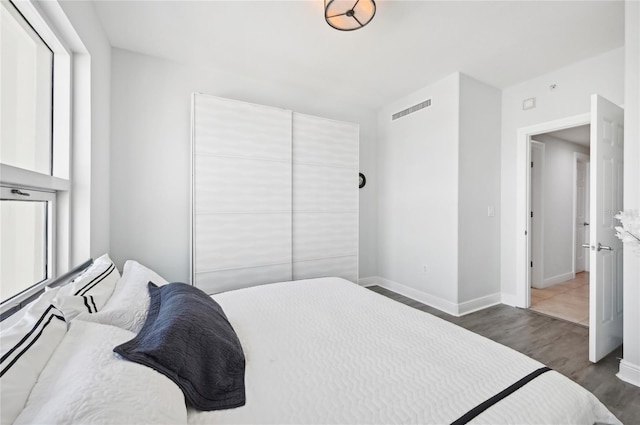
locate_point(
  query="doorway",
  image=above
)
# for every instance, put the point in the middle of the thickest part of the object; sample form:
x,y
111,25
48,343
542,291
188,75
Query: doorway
x,y
559,200
605,250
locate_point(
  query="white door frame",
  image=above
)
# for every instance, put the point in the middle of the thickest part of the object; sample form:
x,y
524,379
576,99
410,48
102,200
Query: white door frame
x,y
538,213
577,156
523,292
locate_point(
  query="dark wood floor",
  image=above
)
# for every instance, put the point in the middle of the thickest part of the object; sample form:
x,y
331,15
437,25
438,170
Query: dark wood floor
x,y
561,345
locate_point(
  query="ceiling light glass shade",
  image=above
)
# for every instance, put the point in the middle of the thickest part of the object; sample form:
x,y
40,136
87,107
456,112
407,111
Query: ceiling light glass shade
x,y
349,15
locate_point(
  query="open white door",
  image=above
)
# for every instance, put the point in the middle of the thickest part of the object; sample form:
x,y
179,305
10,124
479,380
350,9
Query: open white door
x,y
581,221
605,282
587,205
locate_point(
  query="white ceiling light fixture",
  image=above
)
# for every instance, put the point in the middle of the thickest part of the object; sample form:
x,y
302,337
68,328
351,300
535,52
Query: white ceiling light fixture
x,y
349,15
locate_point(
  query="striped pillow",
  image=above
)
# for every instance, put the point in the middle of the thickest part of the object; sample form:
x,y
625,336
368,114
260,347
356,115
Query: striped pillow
x,y
26,348
128,306
90,291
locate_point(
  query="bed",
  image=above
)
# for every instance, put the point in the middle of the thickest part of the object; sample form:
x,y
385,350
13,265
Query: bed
x,y
316,351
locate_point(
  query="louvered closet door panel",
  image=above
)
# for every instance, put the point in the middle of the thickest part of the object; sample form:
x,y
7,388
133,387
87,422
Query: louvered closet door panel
x,y
325,198
324,188
228,280
324,234
326,142
235,241
242,195
231,128
344,267
242,184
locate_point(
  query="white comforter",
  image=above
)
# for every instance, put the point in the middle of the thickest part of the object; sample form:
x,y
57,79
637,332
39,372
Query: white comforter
x,y
328,351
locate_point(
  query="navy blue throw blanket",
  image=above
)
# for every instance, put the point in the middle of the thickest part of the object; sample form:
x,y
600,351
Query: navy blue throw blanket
x,y
188,338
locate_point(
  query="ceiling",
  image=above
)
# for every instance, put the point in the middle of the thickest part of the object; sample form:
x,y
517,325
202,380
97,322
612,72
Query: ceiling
x,y
580,135
408,45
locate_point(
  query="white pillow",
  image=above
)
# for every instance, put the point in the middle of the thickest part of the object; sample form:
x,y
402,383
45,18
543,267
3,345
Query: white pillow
x,y
85,382
26,348
90,291
128,306
36,307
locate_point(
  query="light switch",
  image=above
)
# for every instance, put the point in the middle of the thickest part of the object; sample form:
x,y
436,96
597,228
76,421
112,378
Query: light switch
x,y
491,211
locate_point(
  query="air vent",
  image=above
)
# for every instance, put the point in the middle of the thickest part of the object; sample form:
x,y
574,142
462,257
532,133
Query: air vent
x,y
411,110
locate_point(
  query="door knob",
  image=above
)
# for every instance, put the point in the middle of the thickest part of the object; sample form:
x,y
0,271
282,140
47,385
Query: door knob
x,y
586,245
585,224
603,247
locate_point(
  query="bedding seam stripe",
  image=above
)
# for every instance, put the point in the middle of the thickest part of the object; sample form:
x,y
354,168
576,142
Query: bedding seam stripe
x,y
471,414
86,304
96,279
89,286
28,334
91,281
30,344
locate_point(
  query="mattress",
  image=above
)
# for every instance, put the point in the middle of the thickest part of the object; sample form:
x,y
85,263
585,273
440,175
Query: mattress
x,y
328,351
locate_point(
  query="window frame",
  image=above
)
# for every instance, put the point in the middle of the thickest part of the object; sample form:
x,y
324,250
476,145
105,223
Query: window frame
x,y
51,30
31,195
24,23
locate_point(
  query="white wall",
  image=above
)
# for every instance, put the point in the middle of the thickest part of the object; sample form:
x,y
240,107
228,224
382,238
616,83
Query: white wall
x,y
630,365
603,74
439,172
479,189
558,187
418,191
150,154
91,135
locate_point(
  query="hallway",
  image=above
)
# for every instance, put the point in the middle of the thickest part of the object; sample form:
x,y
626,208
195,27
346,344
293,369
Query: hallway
x,y
567,300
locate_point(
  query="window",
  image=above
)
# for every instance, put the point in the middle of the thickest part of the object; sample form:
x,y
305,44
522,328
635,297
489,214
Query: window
x,y
29,188
25,245
27,94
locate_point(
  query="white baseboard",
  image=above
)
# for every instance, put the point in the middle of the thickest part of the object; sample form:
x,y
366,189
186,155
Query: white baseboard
x,y
432,300
550,281
629,372
420,296
479,303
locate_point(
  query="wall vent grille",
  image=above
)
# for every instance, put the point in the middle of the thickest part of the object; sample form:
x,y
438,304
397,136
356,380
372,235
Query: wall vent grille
x,y
411,110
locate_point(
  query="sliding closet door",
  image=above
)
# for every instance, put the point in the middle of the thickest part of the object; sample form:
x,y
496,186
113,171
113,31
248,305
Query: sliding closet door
x,y
325,198
241,194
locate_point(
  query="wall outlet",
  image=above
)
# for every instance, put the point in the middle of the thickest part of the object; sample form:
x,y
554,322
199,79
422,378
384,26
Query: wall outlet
x,y
491,211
